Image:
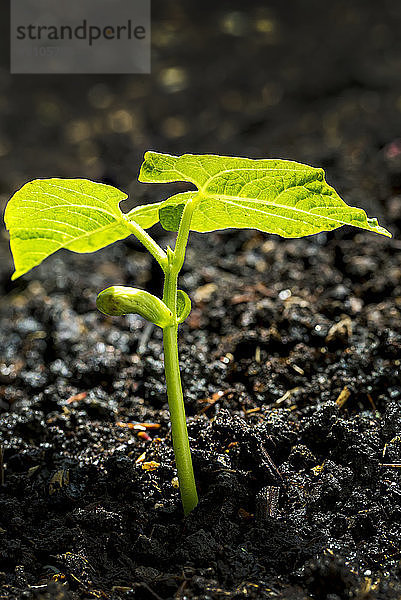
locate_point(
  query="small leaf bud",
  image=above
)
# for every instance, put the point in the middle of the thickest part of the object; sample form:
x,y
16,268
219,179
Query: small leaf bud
x,y
119,300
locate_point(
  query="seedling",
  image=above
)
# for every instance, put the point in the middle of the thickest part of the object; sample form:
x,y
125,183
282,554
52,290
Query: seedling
x,y
274,196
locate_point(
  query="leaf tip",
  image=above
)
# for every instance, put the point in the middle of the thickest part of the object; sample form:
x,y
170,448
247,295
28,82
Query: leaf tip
x,y
385,232
141,175
374,226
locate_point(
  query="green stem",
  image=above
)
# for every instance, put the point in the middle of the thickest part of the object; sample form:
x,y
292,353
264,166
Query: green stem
x,y
182,450
179,430
149,243
183,232
171,263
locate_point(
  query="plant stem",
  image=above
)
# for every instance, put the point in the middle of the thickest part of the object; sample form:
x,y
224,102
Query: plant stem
x,y
172,263
149,243
181,447
183,232
182,451
179,430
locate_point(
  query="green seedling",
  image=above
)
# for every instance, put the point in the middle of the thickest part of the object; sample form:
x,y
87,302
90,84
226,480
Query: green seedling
x,y
273,196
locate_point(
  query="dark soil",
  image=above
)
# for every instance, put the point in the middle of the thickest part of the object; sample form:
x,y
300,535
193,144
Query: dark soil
x,y
290,357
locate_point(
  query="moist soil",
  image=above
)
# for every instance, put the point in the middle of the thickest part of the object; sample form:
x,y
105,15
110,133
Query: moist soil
x,y
290,357
290,365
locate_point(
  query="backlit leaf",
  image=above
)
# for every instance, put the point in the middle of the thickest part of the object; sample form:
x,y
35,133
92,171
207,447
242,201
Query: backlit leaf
x,y
80,215
275,196
170,216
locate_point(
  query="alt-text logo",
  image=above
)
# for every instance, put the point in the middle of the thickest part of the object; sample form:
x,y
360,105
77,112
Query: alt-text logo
x,y
80,36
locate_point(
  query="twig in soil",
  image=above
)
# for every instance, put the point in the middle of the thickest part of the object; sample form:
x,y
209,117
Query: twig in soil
x,y
271,467
1,466
267,503
372,403
141,458
39,588
138,426
340,331
149,589
77,397
343,397
391,465
211,401
251,411
287,396
179,593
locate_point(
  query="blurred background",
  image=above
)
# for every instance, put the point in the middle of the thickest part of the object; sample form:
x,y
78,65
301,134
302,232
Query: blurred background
x,y
318,83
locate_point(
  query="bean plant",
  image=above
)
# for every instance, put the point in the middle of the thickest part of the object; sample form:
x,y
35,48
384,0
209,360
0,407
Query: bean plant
x,y
274,196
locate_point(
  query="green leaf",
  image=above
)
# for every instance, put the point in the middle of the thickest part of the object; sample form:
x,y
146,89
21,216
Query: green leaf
x,y
145,215
183,306
275,196
80,215
170,216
